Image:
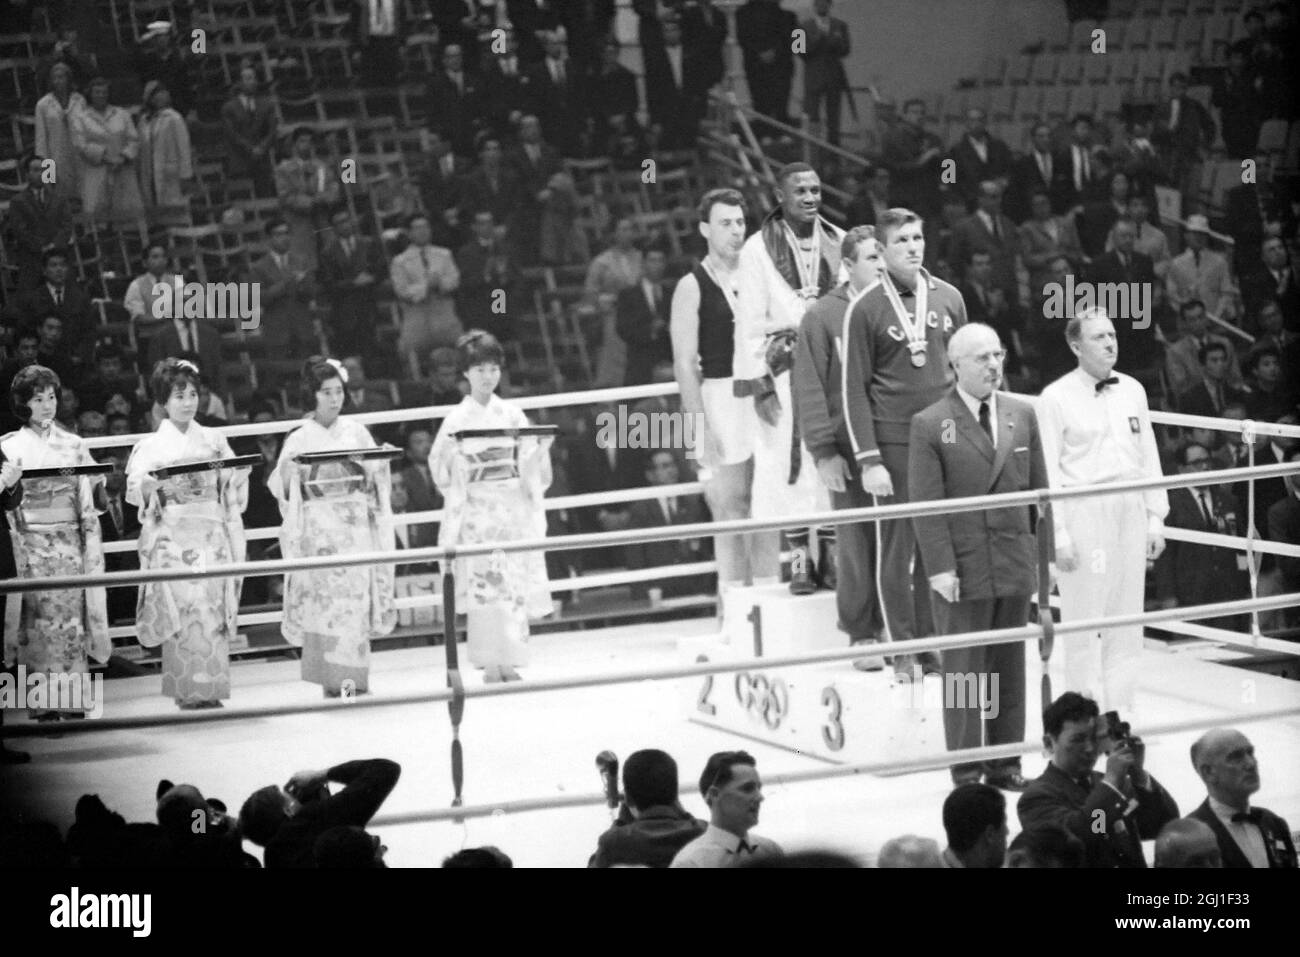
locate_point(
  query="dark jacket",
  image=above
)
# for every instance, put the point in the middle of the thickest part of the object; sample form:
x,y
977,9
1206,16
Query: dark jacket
x,y
1138,348
368,784
815,377
1056,800
653,839
1276,833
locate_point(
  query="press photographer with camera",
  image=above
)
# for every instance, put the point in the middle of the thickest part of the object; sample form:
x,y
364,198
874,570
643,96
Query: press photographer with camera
x,y
1110,812
287,821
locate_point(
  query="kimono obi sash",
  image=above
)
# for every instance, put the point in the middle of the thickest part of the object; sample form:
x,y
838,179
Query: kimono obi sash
x,y
50,500
489,460
193,488
333,480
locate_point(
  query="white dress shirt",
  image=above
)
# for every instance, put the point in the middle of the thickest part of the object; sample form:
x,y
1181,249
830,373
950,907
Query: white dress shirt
x,y
1092,437
719,848
1248,836
981,148
973,404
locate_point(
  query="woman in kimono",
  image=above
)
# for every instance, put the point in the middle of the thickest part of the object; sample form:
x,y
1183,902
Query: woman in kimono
x,y
334,508
54,112
54,527
187,521
165,155
106,139
498,592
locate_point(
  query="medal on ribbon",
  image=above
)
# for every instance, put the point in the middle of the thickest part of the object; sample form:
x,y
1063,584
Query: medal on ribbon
x,y
913,328
806,263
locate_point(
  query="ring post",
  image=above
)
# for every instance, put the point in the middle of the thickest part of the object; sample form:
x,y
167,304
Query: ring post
x,y
1045,590
456,704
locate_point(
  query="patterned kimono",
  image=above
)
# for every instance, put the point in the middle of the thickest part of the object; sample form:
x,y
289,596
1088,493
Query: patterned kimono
x,y
191,521
491,497
336,508
55,531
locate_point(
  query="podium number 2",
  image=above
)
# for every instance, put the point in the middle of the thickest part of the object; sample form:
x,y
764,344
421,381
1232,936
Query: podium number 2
x,y
833,729
702,702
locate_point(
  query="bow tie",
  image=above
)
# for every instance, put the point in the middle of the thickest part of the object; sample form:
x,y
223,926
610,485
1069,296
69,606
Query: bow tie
x,y
1113,380
747,848
1253,816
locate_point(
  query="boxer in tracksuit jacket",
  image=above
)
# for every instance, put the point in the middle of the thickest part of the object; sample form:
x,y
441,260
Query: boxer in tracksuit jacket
x,y
895,364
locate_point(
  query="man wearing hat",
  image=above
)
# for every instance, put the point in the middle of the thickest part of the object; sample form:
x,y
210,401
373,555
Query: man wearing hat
x,y
1200,273
158,57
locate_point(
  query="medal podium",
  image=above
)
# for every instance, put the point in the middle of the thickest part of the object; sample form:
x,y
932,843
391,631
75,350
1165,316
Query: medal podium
x,y
829,711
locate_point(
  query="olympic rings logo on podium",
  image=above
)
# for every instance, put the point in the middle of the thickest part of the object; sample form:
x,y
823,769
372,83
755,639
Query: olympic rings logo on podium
x,y
767,700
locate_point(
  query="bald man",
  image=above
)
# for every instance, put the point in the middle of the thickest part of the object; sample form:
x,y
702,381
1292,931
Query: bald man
x,y
1187,843
910,851
981,565
1247,836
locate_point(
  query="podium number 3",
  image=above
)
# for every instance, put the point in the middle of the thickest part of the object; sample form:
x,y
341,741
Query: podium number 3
x,y
833,729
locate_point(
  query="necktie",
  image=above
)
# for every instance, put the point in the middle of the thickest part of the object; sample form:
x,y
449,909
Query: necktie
x,y
1045,167
1196,257
1217,394
58,297
115,509
424,257
1113,380
985,424
997,228
1207,509
1281,280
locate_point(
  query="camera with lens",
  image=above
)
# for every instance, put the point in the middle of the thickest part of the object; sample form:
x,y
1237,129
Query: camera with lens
x,y
1119,732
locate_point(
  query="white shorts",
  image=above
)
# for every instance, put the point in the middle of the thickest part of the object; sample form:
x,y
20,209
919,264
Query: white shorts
x,y
732,421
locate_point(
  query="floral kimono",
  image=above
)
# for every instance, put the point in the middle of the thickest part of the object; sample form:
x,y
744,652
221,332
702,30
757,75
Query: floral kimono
x,y
493,497
335,508
191,521
55,531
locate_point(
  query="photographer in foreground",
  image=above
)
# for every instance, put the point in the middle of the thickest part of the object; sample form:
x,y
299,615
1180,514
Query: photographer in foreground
x,y
288,821
1111,812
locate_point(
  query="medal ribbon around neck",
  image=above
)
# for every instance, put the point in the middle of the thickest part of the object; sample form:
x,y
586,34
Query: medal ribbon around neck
x,y
728,291
807,264
914,328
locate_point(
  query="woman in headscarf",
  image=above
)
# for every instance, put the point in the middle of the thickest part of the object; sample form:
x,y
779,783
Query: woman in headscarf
x,y
166,160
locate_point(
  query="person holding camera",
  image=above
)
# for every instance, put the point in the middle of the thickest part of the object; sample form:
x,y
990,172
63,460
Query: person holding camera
x,y
1109,812
287,821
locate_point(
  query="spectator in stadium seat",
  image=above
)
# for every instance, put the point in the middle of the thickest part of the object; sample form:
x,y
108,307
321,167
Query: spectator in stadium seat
x,y
1269,398
1139,349
1039,170
1045,847
352,273
764,31
979,157
1048,335
200,337
1078,163
909,851
249,125
39,219
1187,843
1044,237
1274,280
1213,392
446,385
1097,218
1127,802
109,377
424,278
825,81
507,87
1182,358
733,791
487,277
1224,758
1237,96
455,101
1151,240
1185,131
287,822
651,826
643,313
307,190
362,398
108,145
58,295
422,494
439,184
989,303
66,53
492,185
1271,333
534,21
142,295
53,115
535,163
913,155
613,98
661,468
162,56
287,286
871,199
1138,160
617,268
166,160
676,88
989,230
378,27
975,820
558,96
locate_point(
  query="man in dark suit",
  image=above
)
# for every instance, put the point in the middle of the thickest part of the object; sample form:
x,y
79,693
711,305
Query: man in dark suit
x,y
558,98
1214,391
249,124
981,565
1247,836
421,494
439,184
661,469
764,32
1204,573
197,337
532,19
39,220
1039,169
1139,350
613,100
1077,164
1185,131
675,87
11,494
455,101
534,162
58,295
287,287
989,230
989,303
506,86
352,270
487,273
493,185
1274,280
1110,813
824,80
642,318
120,522
979,157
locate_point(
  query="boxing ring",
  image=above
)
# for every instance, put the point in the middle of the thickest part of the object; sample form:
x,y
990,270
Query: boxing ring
x,y
481,769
